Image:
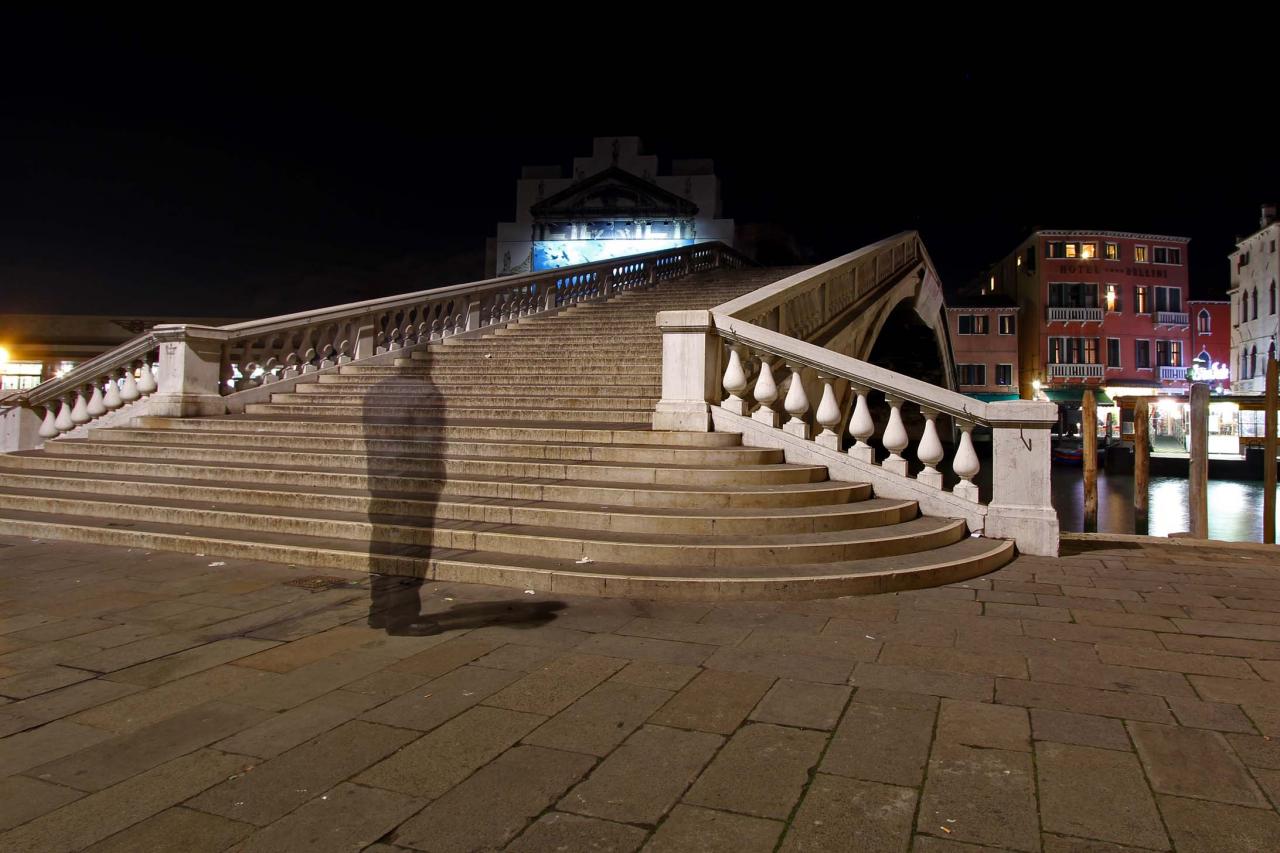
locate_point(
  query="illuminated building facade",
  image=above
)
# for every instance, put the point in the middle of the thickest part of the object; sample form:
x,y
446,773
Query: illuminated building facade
x,y
610,204
1098,309
1255,323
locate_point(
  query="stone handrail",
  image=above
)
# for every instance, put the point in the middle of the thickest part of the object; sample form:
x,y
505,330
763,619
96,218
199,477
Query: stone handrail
x,y
702,385
186,369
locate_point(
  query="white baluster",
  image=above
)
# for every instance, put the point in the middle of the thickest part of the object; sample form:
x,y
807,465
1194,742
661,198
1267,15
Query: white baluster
x,y
766,392
146,379
48,427
966,464
895,438
735,382
112,399
63,422
97,408
930,450
129,391
796,404
862,427
80,411
828,415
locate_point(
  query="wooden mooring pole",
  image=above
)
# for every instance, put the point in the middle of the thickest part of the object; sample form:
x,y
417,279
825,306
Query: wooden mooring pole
x,y
1089,433
1141,464
1269,458
1198,469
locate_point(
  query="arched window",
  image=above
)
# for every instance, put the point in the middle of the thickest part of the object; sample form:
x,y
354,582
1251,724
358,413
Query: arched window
x,y
1204,358
1202,321
1244,307
1244,365
1253,362
1254,315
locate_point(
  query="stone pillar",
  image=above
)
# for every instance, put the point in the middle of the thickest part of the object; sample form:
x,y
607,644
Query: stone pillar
x,y
190,368
1021,508
366,337
19,430
690,371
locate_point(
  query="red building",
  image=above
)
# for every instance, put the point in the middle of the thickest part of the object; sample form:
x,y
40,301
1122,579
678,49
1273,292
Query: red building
x,y
1211,341
1098,309
984,345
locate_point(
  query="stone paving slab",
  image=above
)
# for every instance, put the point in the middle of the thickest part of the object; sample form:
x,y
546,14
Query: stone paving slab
x,y
1125,699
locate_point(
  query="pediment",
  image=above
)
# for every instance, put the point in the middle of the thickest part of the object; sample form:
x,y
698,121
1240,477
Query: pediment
x,y
613,194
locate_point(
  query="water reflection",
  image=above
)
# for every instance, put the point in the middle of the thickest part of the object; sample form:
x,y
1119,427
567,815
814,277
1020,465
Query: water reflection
x,y
1235,506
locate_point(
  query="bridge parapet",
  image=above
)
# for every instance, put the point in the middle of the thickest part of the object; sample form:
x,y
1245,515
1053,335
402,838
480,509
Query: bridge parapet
x,y
719,373
187,370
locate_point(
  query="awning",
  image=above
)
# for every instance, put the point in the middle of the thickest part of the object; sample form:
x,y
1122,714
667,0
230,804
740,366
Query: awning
x,y
1073,395
994,398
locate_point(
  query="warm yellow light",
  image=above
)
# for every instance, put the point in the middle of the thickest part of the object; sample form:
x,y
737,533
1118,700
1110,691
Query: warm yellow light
x,y
4,356
1111,300
1086,251
1035,383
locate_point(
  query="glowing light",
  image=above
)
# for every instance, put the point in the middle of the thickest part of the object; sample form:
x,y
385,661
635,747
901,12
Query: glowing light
x,y
1170,408
1087,251
4,356
1035,383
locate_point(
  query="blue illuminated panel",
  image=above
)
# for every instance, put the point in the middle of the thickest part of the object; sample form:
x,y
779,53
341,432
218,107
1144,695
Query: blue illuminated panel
x,y
552,254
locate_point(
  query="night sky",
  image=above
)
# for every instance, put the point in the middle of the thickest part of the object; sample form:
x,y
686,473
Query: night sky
x,y
142,176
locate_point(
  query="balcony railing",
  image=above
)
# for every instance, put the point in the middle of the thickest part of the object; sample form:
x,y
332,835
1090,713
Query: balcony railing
x,y
1076,371
1171,318
1075,315
1177,374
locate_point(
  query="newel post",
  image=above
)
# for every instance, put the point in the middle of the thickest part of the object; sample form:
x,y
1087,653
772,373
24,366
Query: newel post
x,y
690,371
1021,507
190,370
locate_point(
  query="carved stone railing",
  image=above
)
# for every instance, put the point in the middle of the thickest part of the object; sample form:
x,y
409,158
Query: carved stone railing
x,y
1176,374
1172,318
724,371
1074,315
1077,371
201,367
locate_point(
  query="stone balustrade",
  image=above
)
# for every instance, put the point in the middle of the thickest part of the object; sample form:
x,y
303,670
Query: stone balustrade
x,y
188,370
724,371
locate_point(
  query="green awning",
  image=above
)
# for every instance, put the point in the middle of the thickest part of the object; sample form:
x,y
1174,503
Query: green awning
x,y
994,398
1073,395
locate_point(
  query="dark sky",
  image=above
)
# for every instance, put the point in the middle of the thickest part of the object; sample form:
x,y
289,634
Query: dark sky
x,y
141,175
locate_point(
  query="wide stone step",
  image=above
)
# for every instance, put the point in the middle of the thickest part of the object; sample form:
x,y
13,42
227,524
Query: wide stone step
x,y
439,414
510,430
501,399
562,451
665,495
613,371
895,537
959,561
532,382
399,463
861,512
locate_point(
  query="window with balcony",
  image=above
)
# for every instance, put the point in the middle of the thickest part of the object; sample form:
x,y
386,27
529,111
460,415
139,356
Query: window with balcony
x,y
1113,352
972,374
973,324
1008,324
1140,300
1111,251
1169,353
1167,255
1073,350
1142,355
1202,322
1073,294
1140,254
1004,374
1112,299
1169,299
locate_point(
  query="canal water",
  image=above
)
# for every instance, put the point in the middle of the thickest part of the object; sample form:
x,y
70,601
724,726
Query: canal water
x,y
1235,506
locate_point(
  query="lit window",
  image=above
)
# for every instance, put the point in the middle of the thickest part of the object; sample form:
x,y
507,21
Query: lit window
x,y
1112,251
1140,254
1008,324
1073,250
1140,300
993,284
1113,298
1088,251
972,324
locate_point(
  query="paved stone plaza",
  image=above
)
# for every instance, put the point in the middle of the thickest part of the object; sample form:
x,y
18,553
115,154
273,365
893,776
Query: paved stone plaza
x,y
1122,698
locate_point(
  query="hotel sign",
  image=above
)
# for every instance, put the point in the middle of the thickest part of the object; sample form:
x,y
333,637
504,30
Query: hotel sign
x,y
1140,271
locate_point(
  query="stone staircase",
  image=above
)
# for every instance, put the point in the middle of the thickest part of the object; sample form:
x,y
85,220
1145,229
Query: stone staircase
x,y
522,458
